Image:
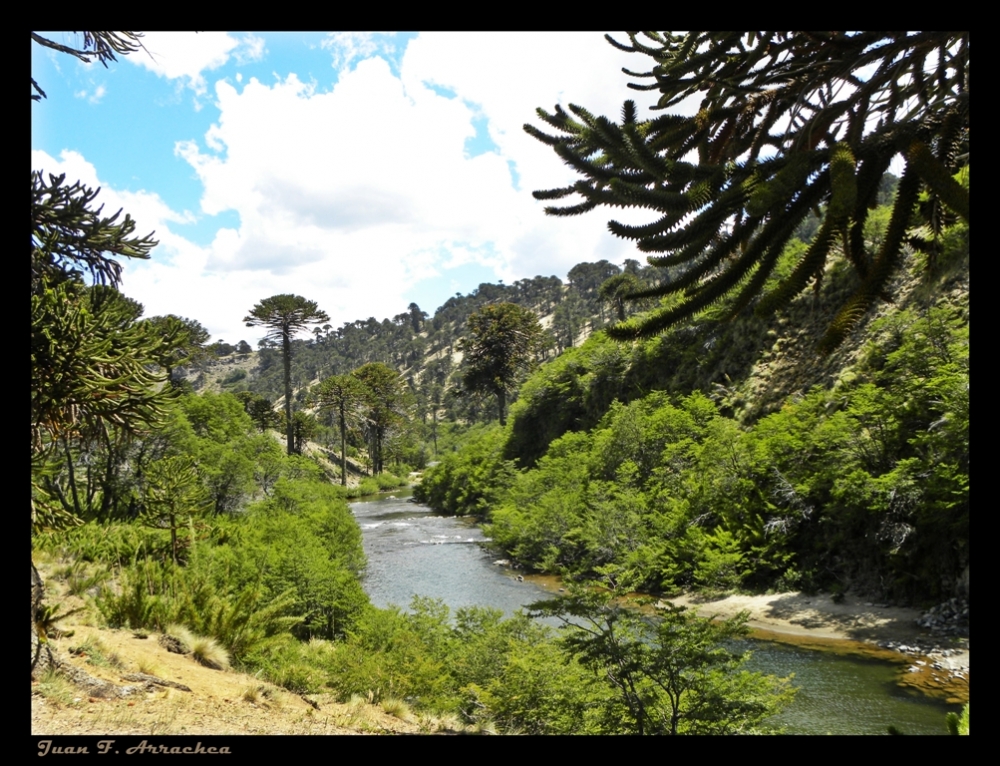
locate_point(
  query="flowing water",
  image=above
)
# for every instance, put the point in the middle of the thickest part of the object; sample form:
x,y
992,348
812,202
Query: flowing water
x,y
411,551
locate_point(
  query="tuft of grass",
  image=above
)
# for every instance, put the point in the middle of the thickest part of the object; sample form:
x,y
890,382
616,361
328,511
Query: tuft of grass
x,y
397,709
435,723
206,651
210,653
97,654
55,688
184,636
147,666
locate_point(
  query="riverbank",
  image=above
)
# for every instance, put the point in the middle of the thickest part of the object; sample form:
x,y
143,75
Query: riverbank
x,y
937,665
934,664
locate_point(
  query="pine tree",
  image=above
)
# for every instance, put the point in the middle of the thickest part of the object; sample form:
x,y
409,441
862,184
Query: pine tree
x,y
284,316
787,122
90,361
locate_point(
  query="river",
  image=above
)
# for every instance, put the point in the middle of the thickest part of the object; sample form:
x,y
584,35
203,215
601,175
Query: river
x,y
412,551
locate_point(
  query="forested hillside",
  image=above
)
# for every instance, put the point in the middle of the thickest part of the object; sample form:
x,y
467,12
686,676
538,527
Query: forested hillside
x,y
423,349
731,454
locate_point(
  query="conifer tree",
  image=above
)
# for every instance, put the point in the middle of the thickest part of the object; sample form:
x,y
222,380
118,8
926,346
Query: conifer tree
x,y
787,122
500,346
387,401
343,394
284,316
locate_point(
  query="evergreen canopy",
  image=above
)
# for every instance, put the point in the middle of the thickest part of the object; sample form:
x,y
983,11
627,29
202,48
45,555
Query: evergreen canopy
x,y
787,121
283,316
502,340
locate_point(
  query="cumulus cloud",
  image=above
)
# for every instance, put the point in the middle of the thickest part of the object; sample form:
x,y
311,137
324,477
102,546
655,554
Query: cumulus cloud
x,y
351,194
186,56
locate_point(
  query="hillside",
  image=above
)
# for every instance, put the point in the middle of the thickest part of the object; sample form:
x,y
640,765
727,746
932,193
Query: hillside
x,y
731,454
185,697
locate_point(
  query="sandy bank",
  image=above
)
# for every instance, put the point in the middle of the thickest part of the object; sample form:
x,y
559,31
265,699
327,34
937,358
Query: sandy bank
x,y
938,665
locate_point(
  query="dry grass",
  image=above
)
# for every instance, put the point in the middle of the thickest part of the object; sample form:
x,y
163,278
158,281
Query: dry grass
x,y
97,654
54,688
397,709
207,651
210,653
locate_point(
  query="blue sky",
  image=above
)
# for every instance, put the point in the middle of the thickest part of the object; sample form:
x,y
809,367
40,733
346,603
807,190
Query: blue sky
x,y
362,171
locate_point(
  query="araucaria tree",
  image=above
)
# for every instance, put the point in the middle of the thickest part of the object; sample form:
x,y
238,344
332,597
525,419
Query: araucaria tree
x,y
284,316
90,362
787,122
344,395
500,347
386,404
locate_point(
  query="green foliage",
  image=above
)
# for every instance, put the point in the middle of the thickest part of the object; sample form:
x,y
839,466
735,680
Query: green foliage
x,y
90,374
154,595
188,342
499,348
506,673
172,490
470,481
387,404
959,725
774,136
343,395
668,673
863,486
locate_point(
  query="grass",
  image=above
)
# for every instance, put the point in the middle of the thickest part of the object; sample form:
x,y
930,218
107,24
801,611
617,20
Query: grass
x,y
55,688
397,709
210,653
148,666
206,651
262,694
97,654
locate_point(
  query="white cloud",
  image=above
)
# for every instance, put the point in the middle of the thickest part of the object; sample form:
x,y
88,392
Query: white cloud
x,y
359,192
94,96
351,195
251,48
347,48
186,56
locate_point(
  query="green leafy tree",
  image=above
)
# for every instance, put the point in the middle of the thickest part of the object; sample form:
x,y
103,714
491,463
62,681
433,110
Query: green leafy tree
x,y
90,362
787,121
260,410
304,428
344,395
500,347
86,373
284,316
672,673
387,405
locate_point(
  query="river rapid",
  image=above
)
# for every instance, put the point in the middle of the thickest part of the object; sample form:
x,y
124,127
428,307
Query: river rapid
x,y
413,551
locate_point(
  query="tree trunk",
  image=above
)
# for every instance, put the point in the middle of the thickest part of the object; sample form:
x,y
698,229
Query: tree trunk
x,y
343,447
502,403
286,346
41,657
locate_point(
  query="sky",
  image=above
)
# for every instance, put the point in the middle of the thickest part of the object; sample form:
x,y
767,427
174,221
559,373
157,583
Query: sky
x,y
360,171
